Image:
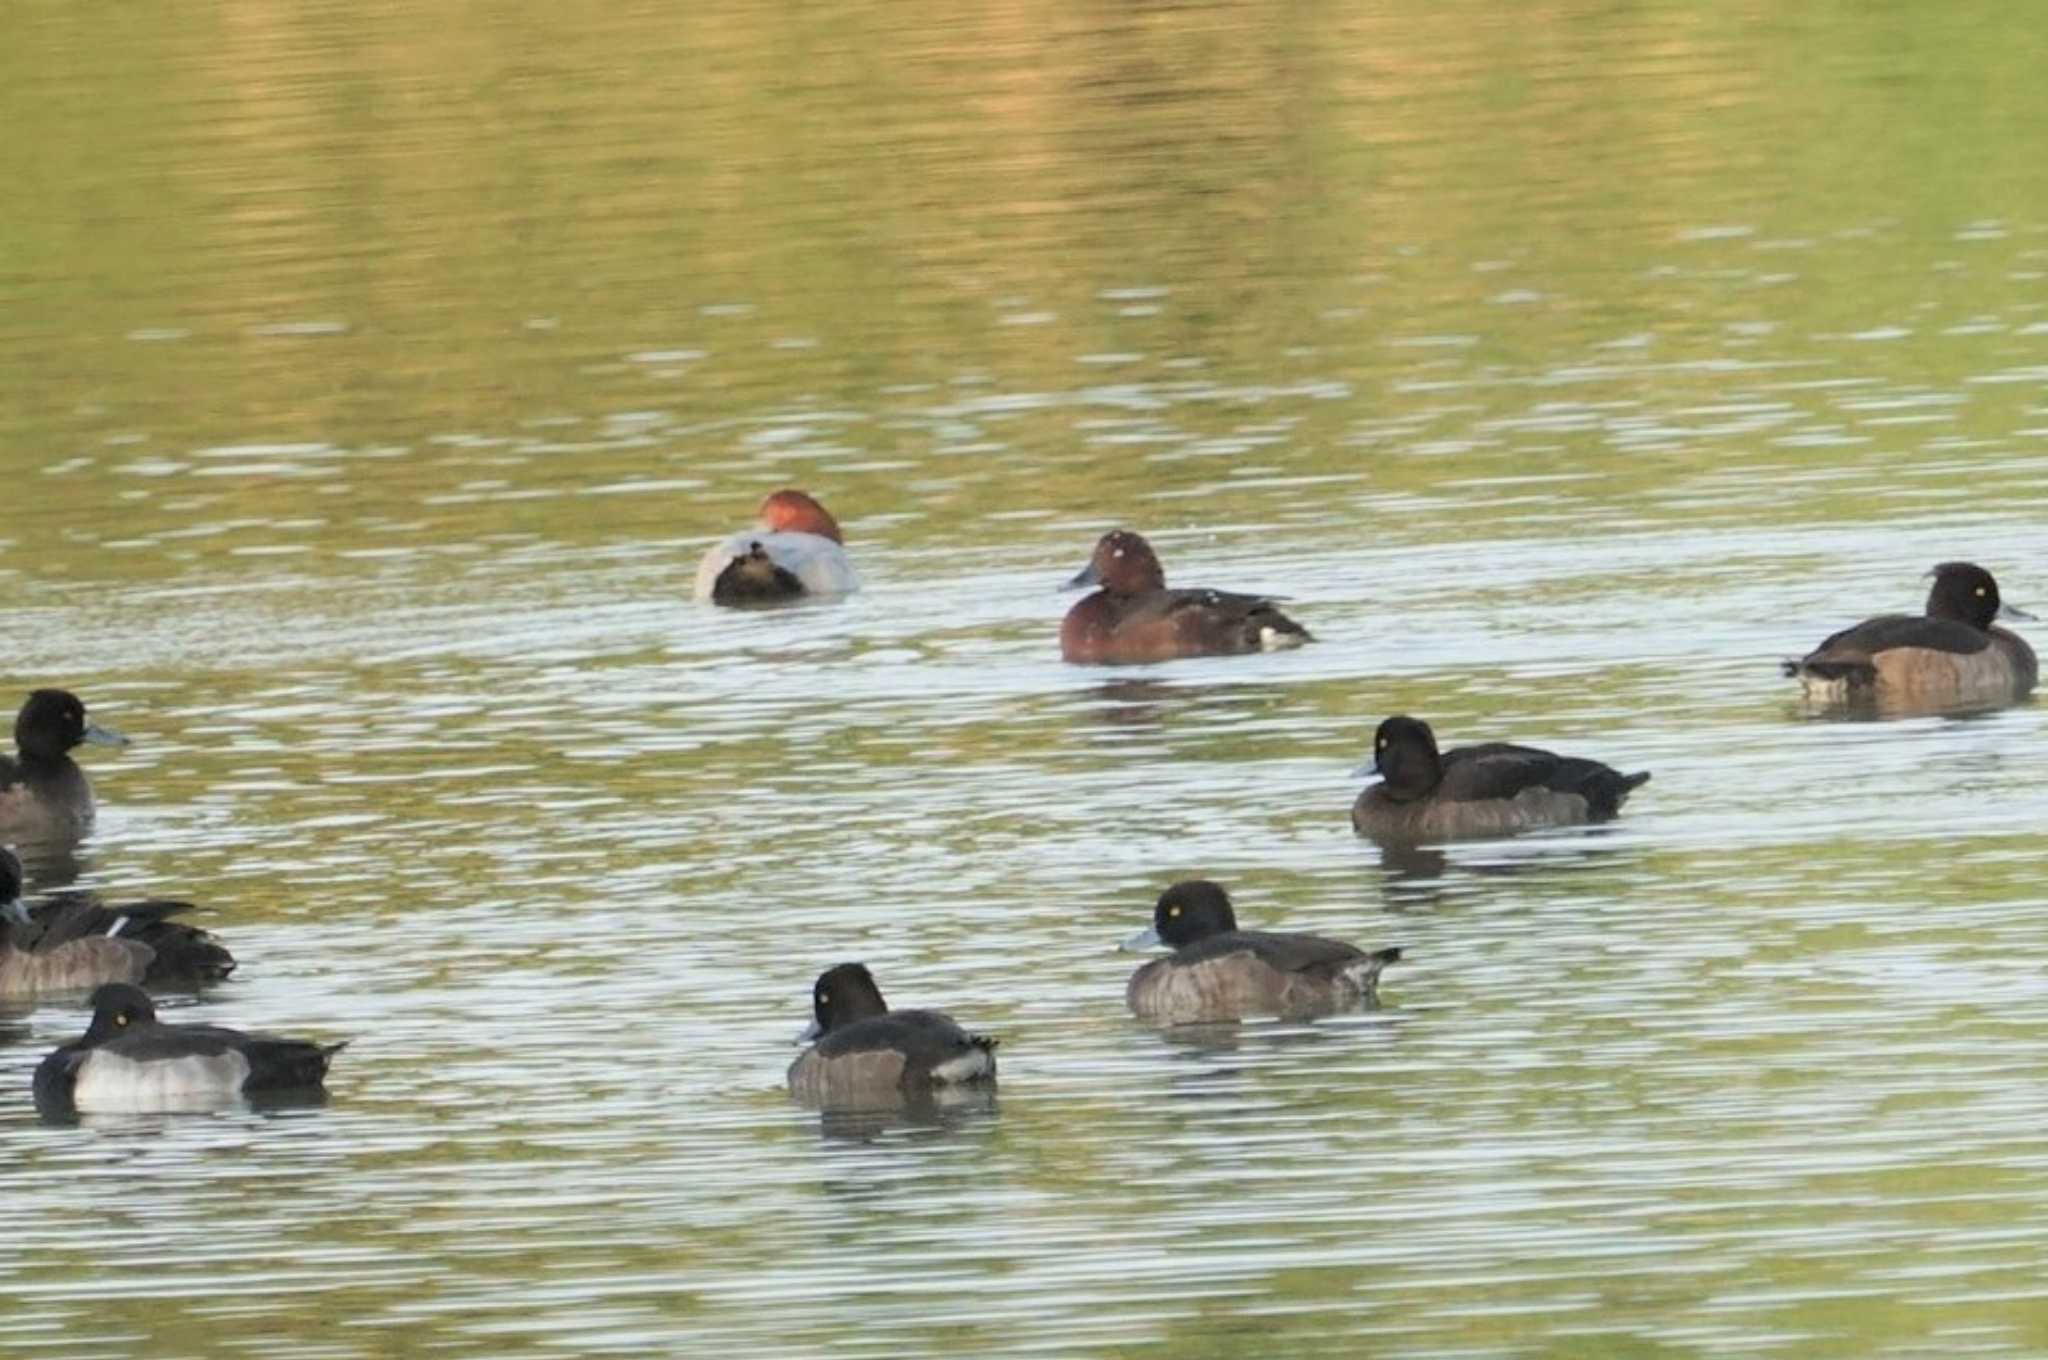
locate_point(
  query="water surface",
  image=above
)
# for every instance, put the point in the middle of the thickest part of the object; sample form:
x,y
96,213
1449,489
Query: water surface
x,y
370,379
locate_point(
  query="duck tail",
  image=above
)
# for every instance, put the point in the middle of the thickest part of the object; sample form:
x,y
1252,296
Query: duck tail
x,y
186,956
1365,973
1856,673
977,1063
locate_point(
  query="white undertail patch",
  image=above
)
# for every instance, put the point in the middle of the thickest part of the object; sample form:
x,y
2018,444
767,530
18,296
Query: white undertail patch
x,y
1273,640
972,1065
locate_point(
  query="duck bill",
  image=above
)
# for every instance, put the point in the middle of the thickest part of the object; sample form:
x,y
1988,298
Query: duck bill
x,y
1148,938
2014,612
1085,577
95,735
16,912
812,1033
1369,770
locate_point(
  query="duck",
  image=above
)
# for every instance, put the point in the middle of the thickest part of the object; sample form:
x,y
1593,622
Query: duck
x,y
33,965
43,792
1133,618
1494,789
861,1051
1953,654
795,550
1218,972
129,1062
73,943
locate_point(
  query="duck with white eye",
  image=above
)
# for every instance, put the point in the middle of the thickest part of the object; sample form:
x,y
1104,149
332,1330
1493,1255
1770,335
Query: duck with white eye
x,y
1952,654
796,551
129,1062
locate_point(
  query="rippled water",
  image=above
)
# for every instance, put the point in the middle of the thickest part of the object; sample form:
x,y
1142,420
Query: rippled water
x,y
370,382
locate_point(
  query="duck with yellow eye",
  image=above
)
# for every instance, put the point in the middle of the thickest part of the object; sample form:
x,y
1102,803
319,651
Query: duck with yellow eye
x,y
1426,795
129,1062
868,1056
1218,972
1952,656
43,792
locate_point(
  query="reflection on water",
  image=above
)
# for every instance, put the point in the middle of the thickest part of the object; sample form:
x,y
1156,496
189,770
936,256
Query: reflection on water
x,y
947,1110
370,385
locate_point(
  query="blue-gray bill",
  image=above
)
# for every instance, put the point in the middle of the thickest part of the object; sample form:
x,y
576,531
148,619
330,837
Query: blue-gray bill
x,y
103,736
1148,938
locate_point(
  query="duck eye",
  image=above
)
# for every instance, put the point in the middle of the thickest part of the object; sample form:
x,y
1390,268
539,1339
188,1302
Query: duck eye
x,y
121,1019
1980,590
824,998
1173,911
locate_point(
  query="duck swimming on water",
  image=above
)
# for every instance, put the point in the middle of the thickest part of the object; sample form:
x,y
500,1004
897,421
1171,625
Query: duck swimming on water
x,y
1134,618
1952,654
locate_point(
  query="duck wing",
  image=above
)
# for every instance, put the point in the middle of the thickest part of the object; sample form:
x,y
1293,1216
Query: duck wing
x,y
1847,654
1474,774
1288,953
1211,611
184,954
275,1064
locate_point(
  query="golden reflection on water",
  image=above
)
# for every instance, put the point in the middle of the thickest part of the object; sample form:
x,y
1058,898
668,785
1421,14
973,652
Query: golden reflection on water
x,y
370,377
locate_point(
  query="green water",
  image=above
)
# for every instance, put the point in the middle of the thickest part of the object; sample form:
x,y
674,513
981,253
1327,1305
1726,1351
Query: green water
x,y
372,376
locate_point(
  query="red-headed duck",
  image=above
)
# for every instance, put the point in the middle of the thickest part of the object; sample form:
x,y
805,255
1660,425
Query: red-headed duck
x,y
795,550
1135,618
868,1054
1218,972
1951,655
43,792
1476,791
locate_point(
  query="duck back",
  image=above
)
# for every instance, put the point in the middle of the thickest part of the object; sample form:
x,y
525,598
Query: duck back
x,y
1158,625
1912,659
185,955
1498,789
902,1050
1253,972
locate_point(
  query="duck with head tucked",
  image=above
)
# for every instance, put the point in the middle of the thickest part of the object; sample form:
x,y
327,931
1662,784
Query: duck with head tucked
x,y
1133,618
1218,972
866,1053
73,943
796,551
43,792
1952,655
1495,789
32,965
129,1062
